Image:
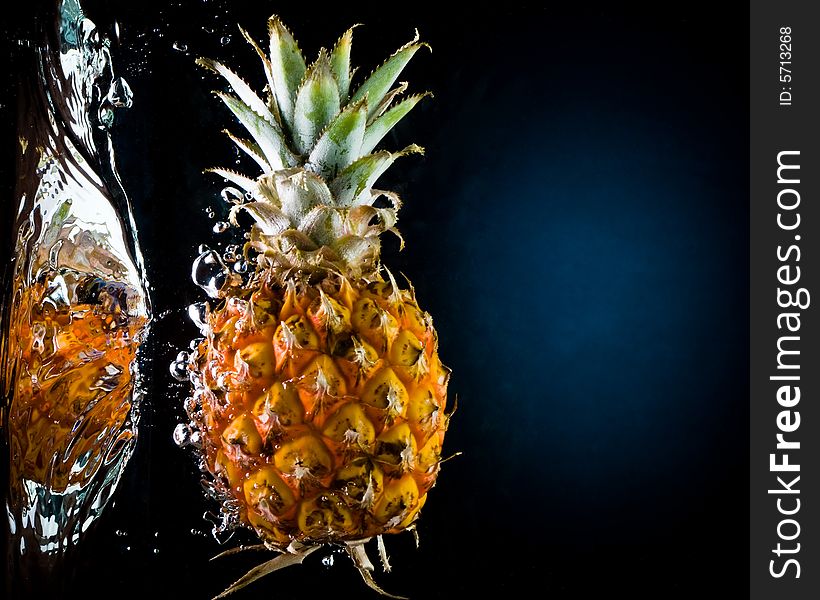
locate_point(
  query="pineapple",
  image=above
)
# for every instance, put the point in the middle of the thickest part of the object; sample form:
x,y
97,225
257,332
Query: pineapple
x,y
319,401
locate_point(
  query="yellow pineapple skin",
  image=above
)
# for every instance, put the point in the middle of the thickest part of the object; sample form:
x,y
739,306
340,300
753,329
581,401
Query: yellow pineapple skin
x,y
322,408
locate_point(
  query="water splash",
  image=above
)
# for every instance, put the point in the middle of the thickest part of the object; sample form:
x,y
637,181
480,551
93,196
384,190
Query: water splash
x,y
75,306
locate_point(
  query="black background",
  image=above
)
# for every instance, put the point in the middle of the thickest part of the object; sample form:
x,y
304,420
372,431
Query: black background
x,y
579,230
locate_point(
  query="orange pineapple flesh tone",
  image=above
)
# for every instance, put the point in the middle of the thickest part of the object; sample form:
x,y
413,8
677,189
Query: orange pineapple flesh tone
x,y
72,367
325,414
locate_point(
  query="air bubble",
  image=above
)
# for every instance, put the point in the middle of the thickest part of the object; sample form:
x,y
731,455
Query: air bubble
x,y
198,313
327,561
179,370
225,40
232,195
210,273
191,407
221,226
180,46
182,435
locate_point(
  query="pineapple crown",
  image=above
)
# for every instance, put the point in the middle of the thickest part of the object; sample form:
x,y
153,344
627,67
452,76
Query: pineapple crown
x,y
314,206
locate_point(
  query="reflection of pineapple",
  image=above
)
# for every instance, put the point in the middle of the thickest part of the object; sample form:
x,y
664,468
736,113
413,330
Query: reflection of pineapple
x,y
72,380
321,396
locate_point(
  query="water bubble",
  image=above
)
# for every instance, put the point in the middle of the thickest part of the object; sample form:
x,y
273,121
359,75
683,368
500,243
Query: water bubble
x,y
232,195
180,46
182,435
198,313
221,226
210,273
120,533
191,407
156,550
38,333
225,40
179,370
327,561
223,381
120,94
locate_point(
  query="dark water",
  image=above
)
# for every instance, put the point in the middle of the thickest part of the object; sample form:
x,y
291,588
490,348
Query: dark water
x,y
579,230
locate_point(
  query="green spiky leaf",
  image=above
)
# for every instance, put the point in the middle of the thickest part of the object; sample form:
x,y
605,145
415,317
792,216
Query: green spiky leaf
x,y
341,142
340,63
387,101
272,104
379,128
246,183
287,67
242,89
267,135
317,102
250,148
352,186
380,81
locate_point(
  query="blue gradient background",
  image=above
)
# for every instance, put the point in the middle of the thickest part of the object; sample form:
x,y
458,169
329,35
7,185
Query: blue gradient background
x,y
578,229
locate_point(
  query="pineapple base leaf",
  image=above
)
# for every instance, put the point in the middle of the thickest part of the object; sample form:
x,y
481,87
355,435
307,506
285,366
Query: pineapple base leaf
x,y
280,562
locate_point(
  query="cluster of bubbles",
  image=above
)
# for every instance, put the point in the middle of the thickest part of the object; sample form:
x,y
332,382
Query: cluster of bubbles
x,y
213,270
